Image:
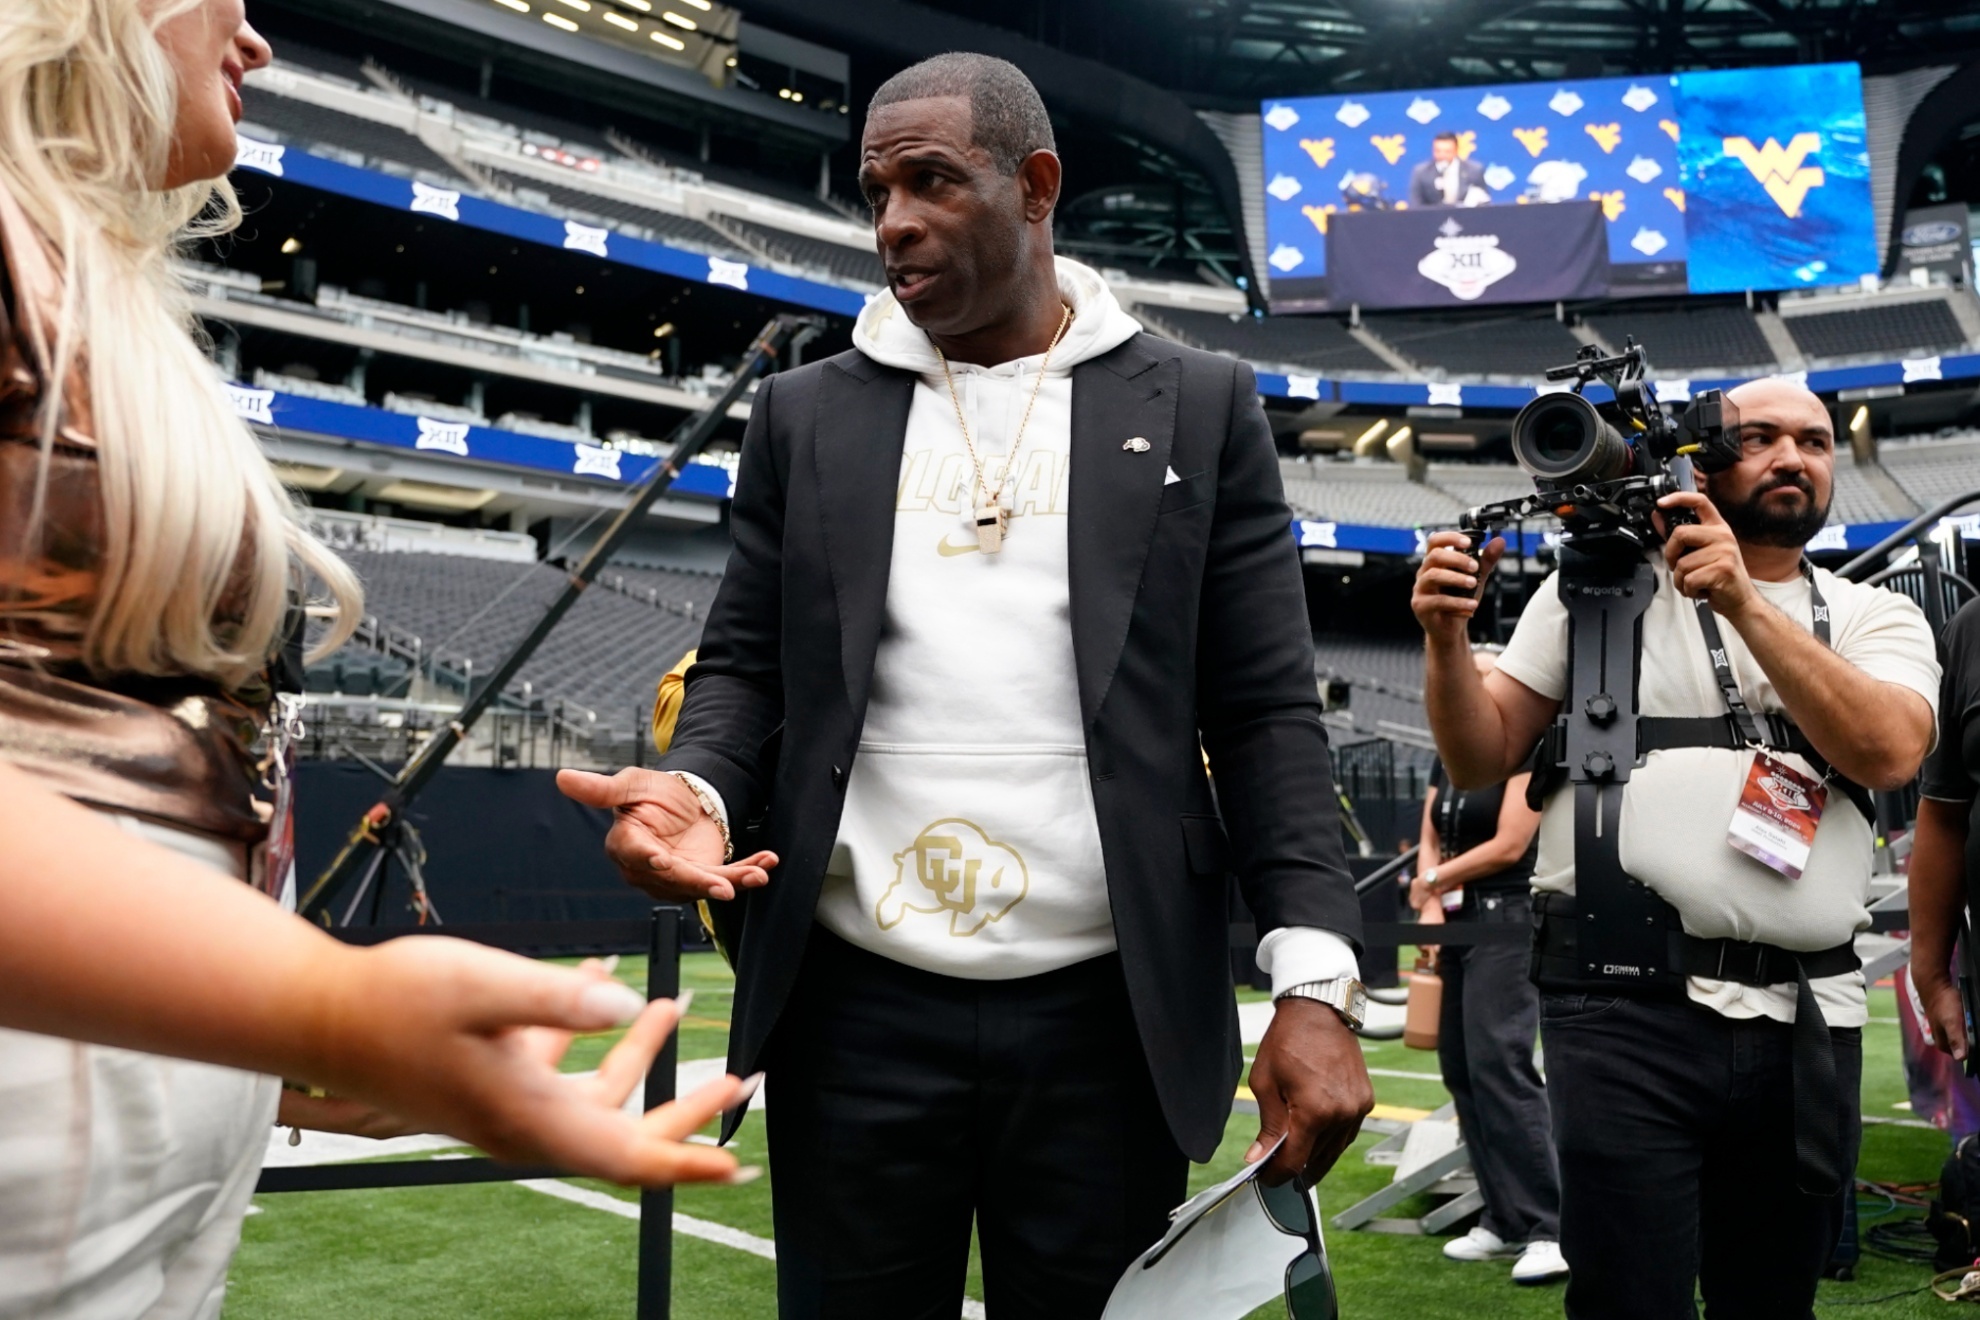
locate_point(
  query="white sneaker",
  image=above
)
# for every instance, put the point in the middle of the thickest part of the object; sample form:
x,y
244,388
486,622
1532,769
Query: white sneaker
x,y
1541,1263
1479,1244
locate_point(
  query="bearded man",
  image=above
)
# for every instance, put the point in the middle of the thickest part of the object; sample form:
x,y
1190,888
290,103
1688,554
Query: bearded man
x,y
1707,1134
1003,573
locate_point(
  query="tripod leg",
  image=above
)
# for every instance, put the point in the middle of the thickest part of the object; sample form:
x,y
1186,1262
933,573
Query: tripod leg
x,y
364,883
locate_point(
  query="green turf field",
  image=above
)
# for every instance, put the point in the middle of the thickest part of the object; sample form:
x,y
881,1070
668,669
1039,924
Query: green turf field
x,y
511,1253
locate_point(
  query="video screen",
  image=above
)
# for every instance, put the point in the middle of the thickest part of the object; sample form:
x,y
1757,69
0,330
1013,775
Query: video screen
x,y
1593,188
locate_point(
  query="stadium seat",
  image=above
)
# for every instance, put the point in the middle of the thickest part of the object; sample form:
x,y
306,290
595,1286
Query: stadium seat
x,y
1520,346
1903,328
1689,340
1313,343
859,266
305,123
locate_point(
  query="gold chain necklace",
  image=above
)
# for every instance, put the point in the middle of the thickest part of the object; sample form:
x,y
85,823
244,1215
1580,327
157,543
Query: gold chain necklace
x,y
991,517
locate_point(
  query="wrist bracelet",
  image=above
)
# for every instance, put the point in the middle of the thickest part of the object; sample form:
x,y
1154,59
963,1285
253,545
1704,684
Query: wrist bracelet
x,y
707,801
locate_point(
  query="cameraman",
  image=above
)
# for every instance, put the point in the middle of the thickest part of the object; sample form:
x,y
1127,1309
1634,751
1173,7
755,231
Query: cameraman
x,y
1684,1134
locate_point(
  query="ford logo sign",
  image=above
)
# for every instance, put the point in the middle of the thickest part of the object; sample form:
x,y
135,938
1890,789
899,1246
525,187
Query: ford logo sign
x,y
1932,231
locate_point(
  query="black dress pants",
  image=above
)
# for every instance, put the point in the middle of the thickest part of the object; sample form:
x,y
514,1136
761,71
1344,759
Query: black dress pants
x,y
1485,1037
906,1105
1675,1127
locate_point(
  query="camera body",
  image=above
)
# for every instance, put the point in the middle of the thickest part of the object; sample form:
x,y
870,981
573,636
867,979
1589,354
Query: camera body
x,y
1603,479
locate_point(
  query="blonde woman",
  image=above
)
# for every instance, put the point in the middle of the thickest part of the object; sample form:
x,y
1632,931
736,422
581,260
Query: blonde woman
x,y
148,562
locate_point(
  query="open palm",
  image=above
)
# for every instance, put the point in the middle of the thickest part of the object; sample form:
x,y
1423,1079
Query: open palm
x,y
661,840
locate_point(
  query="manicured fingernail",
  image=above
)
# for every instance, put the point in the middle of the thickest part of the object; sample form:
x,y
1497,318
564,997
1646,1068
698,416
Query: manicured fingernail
x,y
609,1004
1251,1155
748,1173
751,1085
611,964
683,1001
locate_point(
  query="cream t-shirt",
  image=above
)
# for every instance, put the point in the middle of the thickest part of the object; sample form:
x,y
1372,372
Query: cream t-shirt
x,y
1678,805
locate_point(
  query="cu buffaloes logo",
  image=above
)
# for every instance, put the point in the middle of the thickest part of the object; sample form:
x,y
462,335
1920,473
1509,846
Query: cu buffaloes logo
x,y
1780,169
954,867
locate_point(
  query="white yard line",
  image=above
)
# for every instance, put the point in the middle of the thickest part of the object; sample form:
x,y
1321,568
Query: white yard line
x,y
1407,1076
720,1234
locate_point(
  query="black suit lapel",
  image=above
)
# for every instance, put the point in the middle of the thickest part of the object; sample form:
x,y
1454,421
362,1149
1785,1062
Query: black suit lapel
x,y
858,437
1125,394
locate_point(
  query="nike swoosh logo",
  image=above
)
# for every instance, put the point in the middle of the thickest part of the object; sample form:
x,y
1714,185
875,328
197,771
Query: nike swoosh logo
x,y
947,551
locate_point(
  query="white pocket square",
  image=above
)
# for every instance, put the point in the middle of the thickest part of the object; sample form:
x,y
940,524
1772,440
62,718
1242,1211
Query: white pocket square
x,y
1169,477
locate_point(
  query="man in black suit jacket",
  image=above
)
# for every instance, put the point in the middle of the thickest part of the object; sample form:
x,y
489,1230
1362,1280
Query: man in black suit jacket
x,y
1446,179
983,617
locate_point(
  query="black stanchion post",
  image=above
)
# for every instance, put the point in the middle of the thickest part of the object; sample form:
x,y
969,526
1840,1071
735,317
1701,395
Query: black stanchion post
x,y
656,1204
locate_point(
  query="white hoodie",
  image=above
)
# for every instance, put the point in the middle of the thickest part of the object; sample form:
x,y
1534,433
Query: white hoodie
x,y
969,844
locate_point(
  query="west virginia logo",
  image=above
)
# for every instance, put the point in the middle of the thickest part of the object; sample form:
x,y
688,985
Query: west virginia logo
x,y
1467,143
1321,149
1676,196
954,867
1391,147
1612,203
1779,169
1606,135
1670,128
1533,139
1318,215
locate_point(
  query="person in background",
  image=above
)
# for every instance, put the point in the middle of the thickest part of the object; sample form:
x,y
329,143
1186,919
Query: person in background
x,y
1474,868
1945,849
1706,1129
1447,178
150,563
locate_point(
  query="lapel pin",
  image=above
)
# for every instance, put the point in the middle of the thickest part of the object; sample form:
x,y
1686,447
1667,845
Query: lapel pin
x,y
1136,445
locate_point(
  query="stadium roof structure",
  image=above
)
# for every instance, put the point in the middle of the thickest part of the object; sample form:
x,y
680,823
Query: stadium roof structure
x,y
1232,50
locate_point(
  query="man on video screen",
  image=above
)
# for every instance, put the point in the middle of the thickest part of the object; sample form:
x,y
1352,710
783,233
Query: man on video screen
x,y
1447,179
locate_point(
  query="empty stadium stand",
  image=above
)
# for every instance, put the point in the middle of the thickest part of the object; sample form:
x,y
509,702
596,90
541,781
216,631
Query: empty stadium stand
x,y
605,656
1925,326
845,263
1688,340
1517,346
292,120
1931,471
535,193
1473,484
1379,494
1317,343
1858,499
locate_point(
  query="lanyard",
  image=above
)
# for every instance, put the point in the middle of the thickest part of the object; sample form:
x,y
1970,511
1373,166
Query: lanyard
x,y
1744,721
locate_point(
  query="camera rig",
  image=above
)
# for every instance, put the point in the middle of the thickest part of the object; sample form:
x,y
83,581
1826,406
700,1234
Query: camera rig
x,y
1603,482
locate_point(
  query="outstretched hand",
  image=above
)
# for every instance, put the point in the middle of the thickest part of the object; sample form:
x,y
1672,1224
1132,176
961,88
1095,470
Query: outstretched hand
x,y
446,1036
662,841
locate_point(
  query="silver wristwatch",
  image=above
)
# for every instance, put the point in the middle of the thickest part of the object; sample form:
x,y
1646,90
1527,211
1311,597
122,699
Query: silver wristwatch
x,y
1343,994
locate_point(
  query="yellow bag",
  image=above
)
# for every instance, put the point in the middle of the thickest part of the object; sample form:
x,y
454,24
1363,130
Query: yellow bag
x,y
667,703
666,714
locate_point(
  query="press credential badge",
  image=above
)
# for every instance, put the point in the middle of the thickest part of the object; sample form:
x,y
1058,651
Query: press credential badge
x,y
1778,811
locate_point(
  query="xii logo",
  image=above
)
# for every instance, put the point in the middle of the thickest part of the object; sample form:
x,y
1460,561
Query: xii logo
x,y
1779,169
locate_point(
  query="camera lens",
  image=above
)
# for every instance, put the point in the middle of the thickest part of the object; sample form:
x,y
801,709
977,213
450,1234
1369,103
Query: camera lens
x,y
1561,438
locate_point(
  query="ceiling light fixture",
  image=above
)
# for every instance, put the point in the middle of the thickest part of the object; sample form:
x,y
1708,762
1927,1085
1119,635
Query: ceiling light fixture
x,y
558,20
671,43
1856,423
291,246
582,6
685,24
516,5
702,5
621,21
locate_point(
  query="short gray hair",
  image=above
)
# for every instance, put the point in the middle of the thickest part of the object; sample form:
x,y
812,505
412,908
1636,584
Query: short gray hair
x,y
1007,116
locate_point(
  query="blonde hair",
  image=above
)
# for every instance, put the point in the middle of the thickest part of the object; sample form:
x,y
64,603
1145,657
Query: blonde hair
x,y
203,550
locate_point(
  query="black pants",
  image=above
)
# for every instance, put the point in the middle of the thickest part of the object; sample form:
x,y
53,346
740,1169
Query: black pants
x,y
1675,1128
906,1105
1491,1014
